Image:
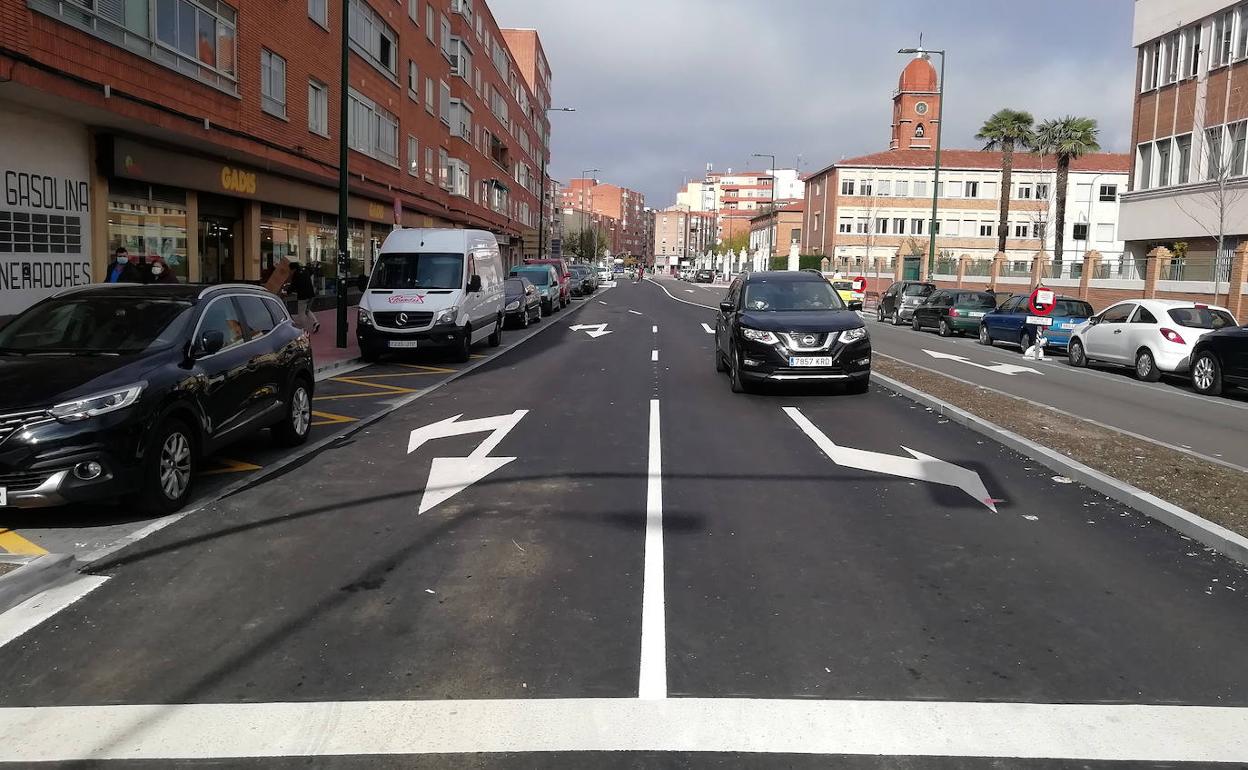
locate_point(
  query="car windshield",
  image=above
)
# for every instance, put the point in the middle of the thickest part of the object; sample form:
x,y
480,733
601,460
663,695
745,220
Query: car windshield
x,y
1201,317
792,295
1072,308
537,277
919,290
418,271
97,326
514,286
976,300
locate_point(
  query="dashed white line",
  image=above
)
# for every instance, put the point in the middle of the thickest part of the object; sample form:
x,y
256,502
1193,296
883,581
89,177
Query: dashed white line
x,y
652,681
654,330
634,312
707,328
654,355
600,302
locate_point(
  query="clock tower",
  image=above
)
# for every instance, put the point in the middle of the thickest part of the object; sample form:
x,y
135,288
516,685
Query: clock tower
x,y
915,107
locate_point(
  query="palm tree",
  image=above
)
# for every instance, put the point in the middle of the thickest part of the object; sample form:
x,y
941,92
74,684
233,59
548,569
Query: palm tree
x,y
1066,138
1004,131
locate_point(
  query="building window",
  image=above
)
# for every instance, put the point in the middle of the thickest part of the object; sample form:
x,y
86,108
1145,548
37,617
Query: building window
x,y
971,190
413,156
1183,147
885,187
985,230
953,189
461,119
413,81
1223,39
1241,39
1024,192
445,36
847,187
149,220
1191,51
372,130
318,12
1105,233
845,225
949,228
1152,62
1214,138
429,30
444,102
318,108
272,83
1022,229
862,225
1144,167
444,171
919,131
413,11
1042,191
881,225
815,222
1163,163
429,96
1109,193
920,188
1172,58
864,189
429,164
201,35
916,226
903,188
373,39
1237,135
1079,231
461,59
899,226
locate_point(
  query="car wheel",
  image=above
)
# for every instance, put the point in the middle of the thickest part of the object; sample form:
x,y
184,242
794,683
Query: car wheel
x,y
984,337
464,351
547,308
1146,367
496,337
914,323
524,319
1207,375
1076,355
896,318
879,314
537,313
297,423
945,329
165,481
720,366
734,375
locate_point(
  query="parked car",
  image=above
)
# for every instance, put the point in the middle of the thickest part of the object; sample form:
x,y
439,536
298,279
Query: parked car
x,y
117,391
604,275
1152,335
565,277
546,280
524,302
583,282
898,302
433,288
1008,323
1220,359
847,292
704,276
780,326
953,311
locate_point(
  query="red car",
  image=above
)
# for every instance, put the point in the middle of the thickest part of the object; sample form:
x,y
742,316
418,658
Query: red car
x,y
565,277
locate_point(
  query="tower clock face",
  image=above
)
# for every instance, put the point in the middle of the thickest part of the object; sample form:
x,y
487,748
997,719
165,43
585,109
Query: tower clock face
x,y
921,108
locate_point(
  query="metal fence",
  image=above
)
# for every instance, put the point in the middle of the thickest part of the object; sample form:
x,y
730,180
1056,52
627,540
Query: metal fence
x,y
979,267
1197,269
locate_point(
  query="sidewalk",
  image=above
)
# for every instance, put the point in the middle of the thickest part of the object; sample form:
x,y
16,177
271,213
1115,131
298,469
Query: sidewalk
x,y
324,352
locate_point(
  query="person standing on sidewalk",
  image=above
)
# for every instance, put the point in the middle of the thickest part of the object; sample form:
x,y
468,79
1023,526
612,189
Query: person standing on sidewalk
x,y
301,284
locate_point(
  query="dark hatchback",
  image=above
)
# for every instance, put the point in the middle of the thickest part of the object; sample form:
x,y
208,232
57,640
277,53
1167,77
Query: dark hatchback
x,y
1220,359
523,302
116,391
777,326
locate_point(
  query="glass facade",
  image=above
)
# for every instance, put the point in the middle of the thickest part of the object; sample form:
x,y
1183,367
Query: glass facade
x,y
279,237
149,227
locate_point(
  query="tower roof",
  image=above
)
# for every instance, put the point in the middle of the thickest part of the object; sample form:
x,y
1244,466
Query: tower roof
x,y
919,75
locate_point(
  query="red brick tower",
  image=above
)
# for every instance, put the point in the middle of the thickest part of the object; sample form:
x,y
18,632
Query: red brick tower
x,y
915,106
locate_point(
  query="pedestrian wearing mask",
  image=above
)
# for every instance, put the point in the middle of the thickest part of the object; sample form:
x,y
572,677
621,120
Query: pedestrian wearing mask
x,y
122,271
301,284
160,272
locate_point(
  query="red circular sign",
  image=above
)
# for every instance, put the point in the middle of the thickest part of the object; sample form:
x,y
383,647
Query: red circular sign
x,y
1038,309
860,283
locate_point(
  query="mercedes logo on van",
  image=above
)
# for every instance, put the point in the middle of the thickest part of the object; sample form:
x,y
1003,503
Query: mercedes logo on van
x,y
402,319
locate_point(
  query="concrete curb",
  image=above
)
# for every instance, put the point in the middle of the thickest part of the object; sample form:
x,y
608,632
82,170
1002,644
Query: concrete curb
x,y
324,370
36,575
1215,536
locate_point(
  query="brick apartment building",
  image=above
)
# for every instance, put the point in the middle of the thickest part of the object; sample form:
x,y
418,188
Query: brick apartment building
x,y
206,133
624,206
680,236
737,197
772,232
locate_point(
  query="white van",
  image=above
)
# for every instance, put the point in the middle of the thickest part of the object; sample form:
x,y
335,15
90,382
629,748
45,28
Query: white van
x,y
433,288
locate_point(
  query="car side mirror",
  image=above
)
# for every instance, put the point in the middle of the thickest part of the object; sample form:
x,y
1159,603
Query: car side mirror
x,y
726,307
855,305
1094,320
474,284
210,342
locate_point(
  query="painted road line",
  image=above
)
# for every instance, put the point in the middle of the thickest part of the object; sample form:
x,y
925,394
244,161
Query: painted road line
x,y
11,542
678,299
329,418
42,606
654,330
707,328
634,312
1123,732
385,389
999,368
600,302
654,355
226,465
652,682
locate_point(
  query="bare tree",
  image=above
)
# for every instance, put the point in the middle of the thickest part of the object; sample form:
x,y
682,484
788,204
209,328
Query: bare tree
x,y
1210,207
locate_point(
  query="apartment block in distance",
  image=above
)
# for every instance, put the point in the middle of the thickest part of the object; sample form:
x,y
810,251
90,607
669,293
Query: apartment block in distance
x,y
626,207
206,132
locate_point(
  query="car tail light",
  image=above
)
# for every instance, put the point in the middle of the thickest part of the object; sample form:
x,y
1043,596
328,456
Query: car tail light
x,y
1172,336
953,311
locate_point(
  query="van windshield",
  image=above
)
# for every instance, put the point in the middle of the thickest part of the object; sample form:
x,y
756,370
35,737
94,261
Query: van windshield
x,y
418,271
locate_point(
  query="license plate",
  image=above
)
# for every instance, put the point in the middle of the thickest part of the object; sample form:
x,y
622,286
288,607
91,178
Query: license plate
x,y
1069,325
795,361
403,343
975,314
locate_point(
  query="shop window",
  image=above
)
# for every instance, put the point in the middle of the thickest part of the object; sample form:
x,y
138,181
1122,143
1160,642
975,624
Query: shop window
x,y
148,222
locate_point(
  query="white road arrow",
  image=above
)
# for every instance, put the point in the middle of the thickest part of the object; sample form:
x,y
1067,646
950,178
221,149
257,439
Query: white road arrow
x,y
593,330
449,476
920,467
707,328
1009,369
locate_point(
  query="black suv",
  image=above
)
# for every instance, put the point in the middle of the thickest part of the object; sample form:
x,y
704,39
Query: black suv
x,y
898,302
117,390
1220,359
790,327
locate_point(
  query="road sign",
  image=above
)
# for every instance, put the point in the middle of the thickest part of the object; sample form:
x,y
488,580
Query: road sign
x,y
1042,301
1009,369
860,283
593,330
919,467
1039,320
450,475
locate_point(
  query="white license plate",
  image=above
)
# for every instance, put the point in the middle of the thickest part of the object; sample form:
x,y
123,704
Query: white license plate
x,y
4,497
795,361
403,343
1069,325
975,314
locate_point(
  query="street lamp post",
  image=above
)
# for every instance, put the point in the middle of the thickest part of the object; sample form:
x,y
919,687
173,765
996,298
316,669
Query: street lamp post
x,y
771,235
581,236
541,225
344,256
940,131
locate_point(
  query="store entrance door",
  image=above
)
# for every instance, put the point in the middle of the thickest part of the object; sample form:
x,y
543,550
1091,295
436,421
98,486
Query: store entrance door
x,y
216,249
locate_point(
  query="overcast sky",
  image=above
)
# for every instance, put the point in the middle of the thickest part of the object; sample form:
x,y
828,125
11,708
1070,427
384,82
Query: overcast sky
x,y
661,88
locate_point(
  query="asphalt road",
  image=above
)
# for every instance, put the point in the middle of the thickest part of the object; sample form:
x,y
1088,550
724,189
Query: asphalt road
x,y
651,567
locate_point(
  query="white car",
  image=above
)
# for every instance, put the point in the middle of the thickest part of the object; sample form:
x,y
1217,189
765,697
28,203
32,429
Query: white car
x,y
604,275
1154,336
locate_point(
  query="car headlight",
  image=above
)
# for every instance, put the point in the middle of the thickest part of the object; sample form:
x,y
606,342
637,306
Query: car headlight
x,y
513,305
854,335
446,317
767,338
365,318
102,403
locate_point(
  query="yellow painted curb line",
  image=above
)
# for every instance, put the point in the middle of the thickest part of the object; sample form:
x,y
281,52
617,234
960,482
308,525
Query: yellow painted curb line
x,y
12,542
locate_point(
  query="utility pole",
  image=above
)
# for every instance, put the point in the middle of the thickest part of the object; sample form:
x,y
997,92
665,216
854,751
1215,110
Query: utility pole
x,y
344,256
541,225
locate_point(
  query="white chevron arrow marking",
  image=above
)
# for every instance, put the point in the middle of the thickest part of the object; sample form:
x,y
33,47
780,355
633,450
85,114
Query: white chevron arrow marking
x,y
593,330
448,476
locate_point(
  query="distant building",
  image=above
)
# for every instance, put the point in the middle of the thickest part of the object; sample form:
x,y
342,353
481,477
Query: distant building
x,y
625,206
915,107
736,197
772,233
681,236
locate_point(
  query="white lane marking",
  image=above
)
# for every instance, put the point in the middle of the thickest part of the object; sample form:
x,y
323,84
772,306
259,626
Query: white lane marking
x,y
920,467
678,299
652,681
1124,732
448,476
600,302
654,330
593,330
707,328
691,291
654,355
1009,369
44,605
634,312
